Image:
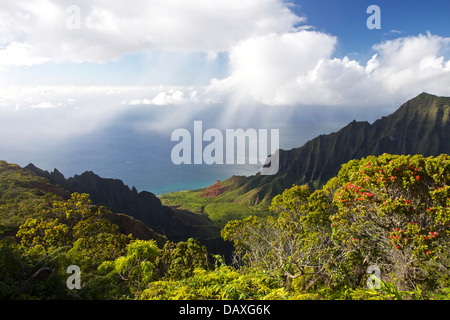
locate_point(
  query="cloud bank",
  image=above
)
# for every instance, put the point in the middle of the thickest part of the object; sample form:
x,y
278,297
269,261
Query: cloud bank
x,y
274,61
36,31
299,68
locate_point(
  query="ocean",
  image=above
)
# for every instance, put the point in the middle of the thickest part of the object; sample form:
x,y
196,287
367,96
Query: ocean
x,y
142,158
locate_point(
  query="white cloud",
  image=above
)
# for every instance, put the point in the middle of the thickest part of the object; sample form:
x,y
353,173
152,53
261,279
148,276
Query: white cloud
x,y
111,29
165,98
165,95
413,64
43,105
56,113
267,67
162,98
299,68
272,61
20,54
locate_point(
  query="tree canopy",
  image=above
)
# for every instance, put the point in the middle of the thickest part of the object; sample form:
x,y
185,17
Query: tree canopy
x,y
379,229
388,211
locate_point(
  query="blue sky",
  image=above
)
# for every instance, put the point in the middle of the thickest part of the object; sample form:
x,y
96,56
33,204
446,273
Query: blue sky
x,y
344,19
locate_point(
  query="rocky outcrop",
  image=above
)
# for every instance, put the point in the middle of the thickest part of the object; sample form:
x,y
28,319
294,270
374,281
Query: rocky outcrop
x,y
143,206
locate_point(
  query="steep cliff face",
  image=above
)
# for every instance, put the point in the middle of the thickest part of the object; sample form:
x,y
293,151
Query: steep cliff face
x,y
420,126
143,206
24,194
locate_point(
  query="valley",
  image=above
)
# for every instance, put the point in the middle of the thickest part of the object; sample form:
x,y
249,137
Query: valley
x,y
419,126
368,192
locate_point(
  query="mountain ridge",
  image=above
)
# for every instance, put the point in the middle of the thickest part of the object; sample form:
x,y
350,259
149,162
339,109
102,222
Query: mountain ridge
x,y
23,194
143,206
419,126
132,208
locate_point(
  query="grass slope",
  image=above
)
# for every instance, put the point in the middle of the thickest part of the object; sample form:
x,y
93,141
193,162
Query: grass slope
x,y
217,202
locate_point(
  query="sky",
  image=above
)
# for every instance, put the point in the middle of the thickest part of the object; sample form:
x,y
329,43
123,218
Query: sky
x,y
192,42
71,68
270,49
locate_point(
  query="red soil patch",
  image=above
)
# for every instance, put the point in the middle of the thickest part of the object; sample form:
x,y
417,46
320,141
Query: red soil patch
x,y
214,190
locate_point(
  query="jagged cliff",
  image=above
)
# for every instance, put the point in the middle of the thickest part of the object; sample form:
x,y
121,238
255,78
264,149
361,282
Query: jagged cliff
x,y
420,126
23,195
143,206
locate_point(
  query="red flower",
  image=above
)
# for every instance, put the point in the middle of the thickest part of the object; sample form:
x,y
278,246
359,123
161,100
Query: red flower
x,y
417,178
396,247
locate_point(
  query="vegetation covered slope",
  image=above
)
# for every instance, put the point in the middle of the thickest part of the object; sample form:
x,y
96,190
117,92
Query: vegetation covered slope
x,y
420,126
24,191
143,206
378,230
24,195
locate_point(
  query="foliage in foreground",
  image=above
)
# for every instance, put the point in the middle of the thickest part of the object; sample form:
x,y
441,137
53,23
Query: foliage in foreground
x,y
379,230
387,214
